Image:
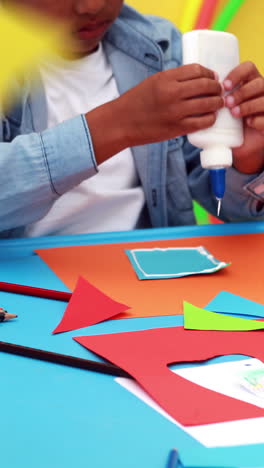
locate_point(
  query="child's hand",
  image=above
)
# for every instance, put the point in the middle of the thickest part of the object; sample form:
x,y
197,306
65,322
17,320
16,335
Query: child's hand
x,y
171,103
165,105
246,99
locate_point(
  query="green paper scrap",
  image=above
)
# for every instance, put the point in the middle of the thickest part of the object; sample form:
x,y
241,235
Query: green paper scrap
x,y
227,14
200,214
201,319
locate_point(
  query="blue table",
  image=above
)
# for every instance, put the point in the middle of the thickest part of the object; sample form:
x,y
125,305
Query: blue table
x,y
58,417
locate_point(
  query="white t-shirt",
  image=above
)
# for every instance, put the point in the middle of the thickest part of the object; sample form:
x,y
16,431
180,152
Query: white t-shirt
x,y
111,200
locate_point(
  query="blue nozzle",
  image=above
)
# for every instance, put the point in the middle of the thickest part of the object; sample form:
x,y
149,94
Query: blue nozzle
x,y
217,177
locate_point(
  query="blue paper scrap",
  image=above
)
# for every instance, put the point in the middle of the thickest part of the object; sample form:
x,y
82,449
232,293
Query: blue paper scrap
x,y
229,303
173,262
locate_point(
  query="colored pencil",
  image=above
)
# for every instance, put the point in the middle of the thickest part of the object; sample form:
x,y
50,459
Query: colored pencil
x,y
33,291
56,358
227,14
189,15
206,14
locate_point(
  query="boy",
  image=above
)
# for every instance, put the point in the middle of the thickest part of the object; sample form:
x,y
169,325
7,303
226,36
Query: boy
x,y
100,145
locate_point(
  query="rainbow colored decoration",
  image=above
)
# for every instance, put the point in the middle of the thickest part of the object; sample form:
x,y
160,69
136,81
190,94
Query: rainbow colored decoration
x,y
209,14
227,14
190,12
205,14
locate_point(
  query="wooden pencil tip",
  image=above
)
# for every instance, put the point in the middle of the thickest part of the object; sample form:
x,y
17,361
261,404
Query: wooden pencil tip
x,y
10,316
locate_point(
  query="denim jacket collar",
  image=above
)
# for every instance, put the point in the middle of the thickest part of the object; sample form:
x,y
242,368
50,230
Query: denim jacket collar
x,y
143,44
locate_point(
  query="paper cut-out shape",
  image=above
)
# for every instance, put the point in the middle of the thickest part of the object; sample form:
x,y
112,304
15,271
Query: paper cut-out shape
x,y
88,306
173,262
145,355
229,303
223,378
201,319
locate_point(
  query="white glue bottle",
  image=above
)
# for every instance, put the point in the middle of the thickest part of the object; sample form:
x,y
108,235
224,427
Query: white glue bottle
x,y
218,51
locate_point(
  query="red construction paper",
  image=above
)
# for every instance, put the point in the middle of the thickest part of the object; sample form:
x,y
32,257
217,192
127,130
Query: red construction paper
x,y
88,306
145,355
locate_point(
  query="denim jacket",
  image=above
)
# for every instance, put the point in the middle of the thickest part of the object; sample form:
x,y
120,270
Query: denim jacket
x,y
37,164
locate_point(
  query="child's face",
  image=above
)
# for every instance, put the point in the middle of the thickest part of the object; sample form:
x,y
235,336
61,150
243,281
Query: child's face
x,y
88,19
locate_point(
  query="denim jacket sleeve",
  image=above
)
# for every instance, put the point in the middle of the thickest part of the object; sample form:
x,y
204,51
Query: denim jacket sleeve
x,y
242,197
39,167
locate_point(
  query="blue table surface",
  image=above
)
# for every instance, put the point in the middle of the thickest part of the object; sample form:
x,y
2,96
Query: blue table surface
x,y
59,417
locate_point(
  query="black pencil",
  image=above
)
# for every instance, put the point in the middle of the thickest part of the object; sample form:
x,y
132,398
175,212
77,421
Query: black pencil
x,y
64,359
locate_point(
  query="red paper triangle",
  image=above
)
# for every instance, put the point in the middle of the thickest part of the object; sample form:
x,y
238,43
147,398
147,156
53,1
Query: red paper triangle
x,y
145,355
88,306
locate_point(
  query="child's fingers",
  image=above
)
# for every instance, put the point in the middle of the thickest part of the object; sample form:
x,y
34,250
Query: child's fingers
x,y
200,87
256,122
190,72
250,90
246,71
249,108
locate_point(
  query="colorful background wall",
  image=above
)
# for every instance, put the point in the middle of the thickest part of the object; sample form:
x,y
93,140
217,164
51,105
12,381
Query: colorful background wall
x,y
247,24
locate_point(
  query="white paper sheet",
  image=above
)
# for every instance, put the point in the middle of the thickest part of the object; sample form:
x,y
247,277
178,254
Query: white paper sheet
x,y
223,378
